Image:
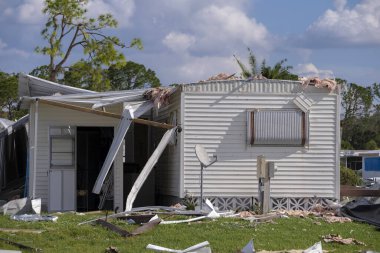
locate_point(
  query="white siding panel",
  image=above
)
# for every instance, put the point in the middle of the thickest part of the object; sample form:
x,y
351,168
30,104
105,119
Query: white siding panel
x,y
56,116
218,122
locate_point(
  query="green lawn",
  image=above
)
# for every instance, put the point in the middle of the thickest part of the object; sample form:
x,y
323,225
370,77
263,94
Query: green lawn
x,y
225,235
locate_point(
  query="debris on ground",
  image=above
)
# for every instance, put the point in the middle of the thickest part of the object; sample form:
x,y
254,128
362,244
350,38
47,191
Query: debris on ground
x,y
21,246
338,239
111,249
137,219
336,219
124,233
179,206
316,248
14,230
263,217
22,206
34,217
362,210
202,247
249,248
245,214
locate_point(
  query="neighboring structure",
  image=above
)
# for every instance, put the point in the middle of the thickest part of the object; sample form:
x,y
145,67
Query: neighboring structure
x,y
296,127
366,161
13,153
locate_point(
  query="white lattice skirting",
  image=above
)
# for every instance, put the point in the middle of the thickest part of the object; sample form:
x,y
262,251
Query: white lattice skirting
x,y
246,203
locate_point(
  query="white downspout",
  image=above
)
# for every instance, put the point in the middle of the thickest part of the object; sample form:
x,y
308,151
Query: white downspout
x,y
35,150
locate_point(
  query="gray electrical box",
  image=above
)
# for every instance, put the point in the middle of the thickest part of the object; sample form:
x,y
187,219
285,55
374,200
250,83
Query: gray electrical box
x,y
271,169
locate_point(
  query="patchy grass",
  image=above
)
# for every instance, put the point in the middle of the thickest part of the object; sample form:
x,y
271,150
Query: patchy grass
x,y
225,235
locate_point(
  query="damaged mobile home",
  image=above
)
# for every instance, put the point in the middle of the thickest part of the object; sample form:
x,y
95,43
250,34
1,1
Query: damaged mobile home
x,y
120,149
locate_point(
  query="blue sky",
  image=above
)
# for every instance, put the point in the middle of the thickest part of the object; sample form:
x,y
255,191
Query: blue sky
x,y
191,40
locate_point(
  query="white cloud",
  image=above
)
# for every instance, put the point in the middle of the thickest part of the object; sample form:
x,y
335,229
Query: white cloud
x,y
204,46
122,10
219,24
216,30
194,69
178,42
5,50
310,70
359,25
30,12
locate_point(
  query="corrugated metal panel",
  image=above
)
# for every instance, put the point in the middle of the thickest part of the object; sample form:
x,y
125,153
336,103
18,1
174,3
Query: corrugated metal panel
x,y
219,123
278,127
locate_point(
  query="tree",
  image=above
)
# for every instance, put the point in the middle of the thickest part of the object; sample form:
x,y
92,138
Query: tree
x,y
68,28
41,72
83,75
278,71
8,93
245,72
132,76
356,100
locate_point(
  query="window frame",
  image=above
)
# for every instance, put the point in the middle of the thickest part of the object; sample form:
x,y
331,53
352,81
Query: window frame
x,y
305,127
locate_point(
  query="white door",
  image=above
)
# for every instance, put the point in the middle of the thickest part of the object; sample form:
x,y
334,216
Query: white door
x,y
62,173
62,190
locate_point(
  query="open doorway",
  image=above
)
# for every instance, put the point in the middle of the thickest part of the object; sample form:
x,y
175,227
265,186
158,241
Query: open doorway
x,y
137,152
93,144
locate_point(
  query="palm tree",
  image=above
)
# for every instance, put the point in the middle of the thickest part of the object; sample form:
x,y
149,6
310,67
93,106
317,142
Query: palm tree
x,y
278,71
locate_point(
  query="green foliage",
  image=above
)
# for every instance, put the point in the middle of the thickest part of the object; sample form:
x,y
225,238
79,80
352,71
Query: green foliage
x,y
349,177
356,100
278,71
68,28
346,145
8,93
371,145
132,76
41,72
84,75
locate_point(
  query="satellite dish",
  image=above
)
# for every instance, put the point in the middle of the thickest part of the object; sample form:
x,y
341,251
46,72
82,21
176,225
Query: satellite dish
x,y
202,155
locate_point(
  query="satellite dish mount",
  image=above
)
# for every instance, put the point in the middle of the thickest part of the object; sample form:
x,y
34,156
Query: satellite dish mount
x,y
204,159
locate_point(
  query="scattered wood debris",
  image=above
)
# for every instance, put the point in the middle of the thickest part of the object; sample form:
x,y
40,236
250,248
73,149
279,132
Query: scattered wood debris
x,y
13,230
124,233
21,246
338,239
111,249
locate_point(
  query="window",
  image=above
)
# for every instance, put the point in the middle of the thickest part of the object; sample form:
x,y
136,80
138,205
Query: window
x,y
284,127
62,145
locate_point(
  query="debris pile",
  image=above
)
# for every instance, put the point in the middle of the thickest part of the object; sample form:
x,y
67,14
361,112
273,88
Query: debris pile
x,y
160,96
339,239
319,83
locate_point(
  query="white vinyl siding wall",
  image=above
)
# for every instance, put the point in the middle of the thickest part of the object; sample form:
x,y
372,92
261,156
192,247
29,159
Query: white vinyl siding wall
x,y
215,115
168,167
55,116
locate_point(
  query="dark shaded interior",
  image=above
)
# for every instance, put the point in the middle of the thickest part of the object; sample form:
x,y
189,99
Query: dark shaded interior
x,y
93,144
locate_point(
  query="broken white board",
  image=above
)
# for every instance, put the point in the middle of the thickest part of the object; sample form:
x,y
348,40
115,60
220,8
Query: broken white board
x,y
148,168
182,221
316,248
122,129
14,206
198,248
249,248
